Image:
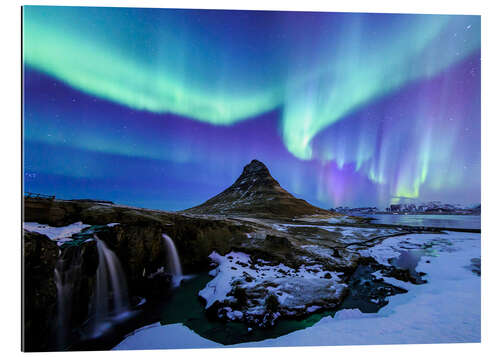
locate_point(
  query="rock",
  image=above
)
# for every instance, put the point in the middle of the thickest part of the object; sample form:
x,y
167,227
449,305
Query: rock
x,y
195,238
272,303
275,242
40,293
157,286
78,263
53,212
142,252
475,266
241,296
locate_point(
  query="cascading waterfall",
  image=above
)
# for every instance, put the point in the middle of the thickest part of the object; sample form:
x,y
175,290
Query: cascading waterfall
x,y
172,259
110,301
66,274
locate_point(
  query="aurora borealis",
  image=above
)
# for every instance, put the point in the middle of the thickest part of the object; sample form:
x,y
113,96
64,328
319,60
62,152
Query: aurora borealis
x,y
162,108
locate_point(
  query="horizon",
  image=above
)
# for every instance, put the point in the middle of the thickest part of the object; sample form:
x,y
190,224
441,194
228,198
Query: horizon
x,y
342,206
345,109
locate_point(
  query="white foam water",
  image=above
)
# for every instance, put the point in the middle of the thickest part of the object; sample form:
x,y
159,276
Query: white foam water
x,y
172,260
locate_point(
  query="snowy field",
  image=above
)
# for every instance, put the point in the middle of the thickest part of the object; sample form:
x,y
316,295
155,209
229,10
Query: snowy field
x,y
445,310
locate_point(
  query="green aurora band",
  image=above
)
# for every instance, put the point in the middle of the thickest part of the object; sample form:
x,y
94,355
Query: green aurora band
x,y
169,63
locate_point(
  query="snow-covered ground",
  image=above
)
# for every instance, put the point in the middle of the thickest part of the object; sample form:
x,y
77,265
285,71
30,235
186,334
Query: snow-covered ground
x,y
392,247
446,309
332,220
58,234
172,336
343,230
295,289
347,234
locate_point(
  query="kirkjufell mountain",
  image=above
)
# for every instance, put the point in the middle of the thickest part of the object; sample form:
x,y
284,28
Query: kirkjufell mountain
x,y
257,193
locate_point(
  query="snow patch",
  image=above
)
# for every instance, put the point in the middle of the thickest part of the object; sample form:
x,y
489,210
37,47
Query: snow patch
x,y
293,288
58,234
348,314
156,336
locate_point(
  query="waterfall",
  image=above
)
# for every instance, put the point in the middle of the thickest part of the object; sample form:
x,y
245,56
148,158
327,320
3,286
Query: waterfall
x,y
66,275
172,260
110,299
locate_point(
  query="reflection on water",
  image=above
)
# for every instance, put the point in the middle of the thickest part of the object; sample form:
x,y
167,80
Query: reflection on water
x,y
409,259
429,220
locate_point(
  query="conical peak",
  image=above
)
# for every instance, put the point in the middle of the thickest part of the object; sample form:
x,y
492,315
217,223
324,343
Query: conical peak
x,y
257,193
254,167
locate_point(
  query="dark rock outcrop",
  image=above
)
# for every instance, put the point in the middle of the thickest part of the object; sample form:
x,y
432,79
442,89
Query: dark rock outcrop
x,y
77,267
196,238
40,293
137,239
52,212
142,252
59,213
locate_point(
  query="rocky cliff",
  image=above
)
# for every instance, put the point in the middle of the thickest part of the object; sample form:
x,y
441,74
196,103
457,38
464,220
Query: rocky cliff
x,y
40,294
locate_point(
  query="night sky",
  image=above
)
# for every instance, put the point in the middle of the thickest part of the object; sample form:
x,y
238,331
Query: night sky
x,y
162,108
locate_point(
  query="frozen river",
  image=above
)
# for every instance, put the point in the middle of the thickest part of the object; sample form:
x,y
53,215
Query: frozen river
x,y
429,220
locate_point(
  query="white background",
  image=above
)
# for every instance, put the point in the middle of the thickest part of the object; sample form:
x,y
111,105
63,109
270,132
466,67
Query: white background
x,y
10,168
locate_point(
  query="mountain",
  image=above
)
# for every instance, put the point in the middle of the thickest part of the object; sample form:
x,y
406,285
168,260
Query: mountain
x,y
257,193
435,207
